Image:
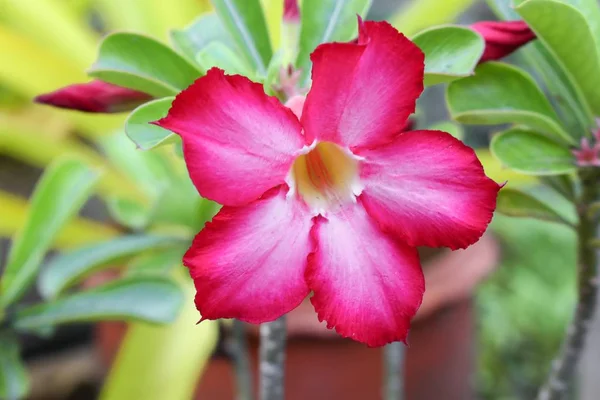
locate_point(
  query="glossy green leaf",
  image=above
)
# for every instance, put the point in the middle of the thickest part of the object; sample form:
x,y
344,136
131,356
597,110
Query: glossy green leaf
x,y
415,16
70,268
451,52
567,34
160,263
532,153
217,54
515,203
61,192
150,299
245,21
205,29
139,62
499,93
450,127
177,353
14,382
145,135
325,21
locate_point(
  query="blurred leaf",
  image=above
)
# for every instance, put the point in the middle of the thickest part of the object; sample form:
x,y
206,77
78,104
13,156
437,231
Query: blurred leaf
x,y
451,52
142,63
14,382
205,29
325,21
531,153
60,193
273,10
417,15
450,127
177,354
141,132
76,233
499,93
150,299
70,268
128,213
159,262
245,22
499,173
516,203
216,54
567,34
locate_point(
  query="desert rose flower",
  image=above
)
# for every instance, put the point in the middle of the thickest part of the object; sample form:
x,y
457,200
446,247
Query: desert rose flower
x,y
502,37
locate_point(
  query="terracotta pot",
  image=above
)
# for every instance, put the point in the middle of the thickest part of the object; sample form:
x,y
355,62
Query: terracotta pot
x,y
321,366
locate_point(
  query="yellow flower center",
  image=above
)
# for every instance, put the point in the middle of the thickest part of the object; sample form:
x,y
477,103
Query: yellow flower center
x,y
326,176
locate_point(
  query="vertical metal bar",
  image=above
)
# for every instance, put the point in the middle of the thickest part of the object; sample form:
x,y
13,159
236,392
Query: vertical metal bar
x,y
393,375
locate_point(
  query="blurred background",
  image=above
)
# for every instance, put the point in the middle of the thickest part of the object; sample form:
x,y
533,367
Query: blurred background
x,y
490,326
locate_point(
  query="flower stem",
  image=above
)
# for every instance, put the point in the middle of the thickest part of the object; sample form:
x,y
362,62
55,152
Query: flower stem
x,y
564,366
272,358
393,366
243,375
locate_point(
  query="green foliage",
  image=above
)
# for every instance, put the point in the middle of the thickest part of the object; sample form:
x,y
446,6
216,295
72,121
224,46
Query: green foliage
x,y
531,153
70,268
567,34
516,203
451,52
14,382
145,135
63,189
325,21
245,22
207,28
151,299
217,54
499,93
139,62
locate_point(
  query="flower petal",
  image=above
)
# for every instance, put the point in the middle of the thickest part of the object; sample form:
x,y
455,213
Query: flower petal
x,y
363,93
249,262
95,96
502,37
237,141
366,285
428,188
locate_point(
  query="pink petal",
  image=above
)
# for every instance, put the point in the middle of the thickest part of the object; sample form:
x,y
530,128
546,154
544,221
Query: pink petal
x,y
249,262
502,37
95,96
362,94
237,141
366,285
428,188
291,11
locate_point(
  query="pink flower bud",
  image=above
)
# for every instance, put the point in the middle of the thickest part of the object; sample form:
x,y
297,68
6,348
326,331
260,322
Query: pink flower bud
x,y
95,96
502,37
291,12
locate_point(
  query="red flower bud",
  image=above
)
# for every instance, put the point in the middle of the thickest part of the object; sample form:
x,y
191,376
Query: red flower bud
x,y
291,12
502,37
95,96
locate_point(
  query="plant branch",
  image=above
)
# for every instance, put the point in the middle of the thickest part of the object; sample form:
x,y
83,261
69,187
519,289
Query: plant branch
x,y
241,361
393,366
563,367
272,358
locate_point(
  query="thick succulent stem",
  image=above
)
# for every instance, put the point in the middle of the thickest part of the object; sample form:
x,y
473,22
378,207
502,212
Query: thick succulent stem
x,y
272,359
243,374
393,367
564,366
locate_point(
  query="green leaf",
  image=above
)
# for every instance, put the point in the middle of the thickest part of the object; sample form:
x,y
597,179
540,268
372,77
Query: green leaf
x,y
531,153
451,52
129,213
60,193
499,93
245,21
142,63
450,127
217,54
14,382
160,263
68,269
150,299
515,203
205,29
567,34
145,135
325,21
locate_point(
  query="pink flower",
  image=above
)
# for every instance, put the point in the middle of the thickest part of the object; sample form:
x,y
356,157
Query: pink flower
x,y
502,37
95,96
331,200
291,11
